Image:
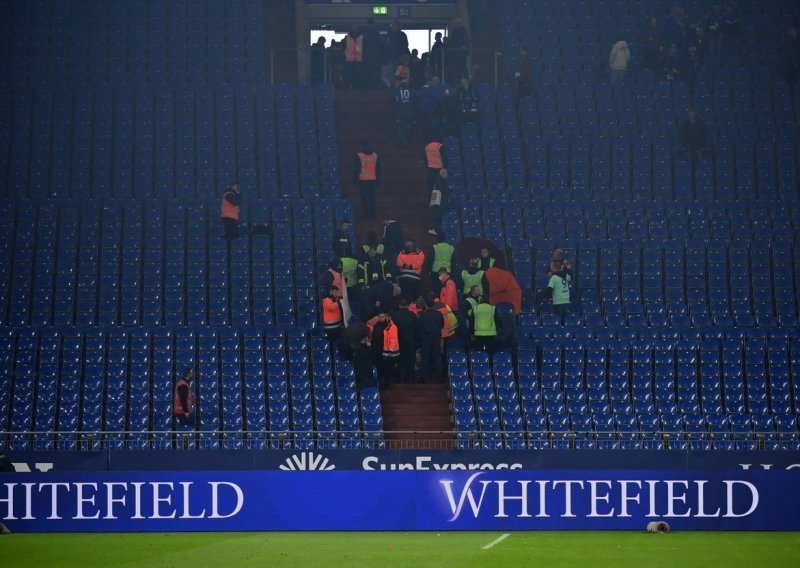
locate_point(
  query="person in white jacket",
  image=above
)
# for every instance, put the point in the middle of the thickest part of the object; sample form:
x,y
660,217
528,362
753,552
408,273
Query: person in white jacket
x,y
618,61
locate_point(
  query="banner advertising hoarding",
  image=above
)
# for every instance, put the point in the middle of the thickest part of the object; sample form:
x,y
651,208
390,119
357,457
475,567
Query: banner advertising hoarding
x,y
383,460
399,500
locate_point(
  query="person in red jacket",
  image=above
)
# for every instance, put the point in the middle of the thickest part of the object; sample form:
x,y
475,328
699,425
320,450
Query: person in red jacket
x,y
229,211
183,399
448,293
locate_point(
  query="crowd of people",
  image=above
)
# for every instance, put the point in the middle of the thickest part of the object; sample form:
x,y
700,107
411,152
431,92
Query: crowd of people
x,y
398,309
369,57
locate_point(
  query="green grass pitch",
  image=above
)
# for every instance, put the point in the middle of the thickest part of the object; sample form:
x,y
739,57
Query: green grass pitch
x,y
406,549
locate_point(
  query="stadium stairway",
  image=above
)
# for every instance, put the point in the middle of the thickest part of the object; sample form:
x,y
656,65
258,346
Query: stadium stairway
x,y
402,193
281,56
419,411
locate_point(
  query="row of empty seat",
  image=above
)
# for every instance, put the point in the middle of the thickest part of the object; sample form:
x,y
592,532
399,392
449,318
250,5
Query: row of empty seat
x,y
160,141
134,42
261,388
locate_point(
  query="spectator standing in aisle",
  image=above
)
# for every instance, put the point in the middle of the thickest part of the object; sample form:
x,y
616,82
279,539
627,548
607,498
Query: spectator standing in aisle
x,y
341,243
429,330
317,56
436,58
618,60
429,99
417,67
230,210
183,400
409,270
438,201
397,42
406,322
558,286
366,175
405,113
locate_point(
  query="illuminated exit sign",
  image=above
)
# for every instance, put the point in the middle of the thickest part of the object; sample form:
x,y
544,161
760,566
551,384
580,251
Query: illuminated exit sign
x,y
380,10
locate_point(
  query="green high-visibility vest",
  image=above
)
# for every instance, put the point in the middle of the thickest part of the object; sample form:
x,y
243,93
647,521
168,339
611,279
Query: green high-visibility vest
x,y
442,257
471,280
349,271
378,248
484,321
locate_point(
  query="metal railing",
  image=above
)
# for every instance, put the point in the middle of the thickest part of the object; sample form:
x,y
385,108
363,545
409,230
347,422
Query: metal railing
x,y
393,440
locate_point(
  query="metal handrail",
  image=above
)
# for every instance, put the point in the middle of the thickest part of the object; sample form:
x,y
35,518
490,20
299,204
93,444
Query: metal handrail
x,y
349,439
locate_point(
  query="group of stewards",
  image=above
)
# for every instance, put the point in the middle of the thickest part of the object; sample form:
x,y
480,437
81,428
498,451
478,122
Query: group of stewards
x,y
405,328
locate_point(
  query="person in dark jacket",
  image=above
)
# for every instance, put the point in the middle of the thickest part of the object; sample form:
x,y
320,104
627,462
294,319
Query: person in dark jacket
x,y
381,297
5,465
341,244
318,61
362,363
392,238
184,400
372,269
406,322
429,331
230,210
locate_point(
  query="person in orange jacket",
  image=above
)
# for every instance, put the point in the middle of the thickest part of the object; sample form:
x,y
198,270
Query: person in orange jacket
x,y
409,269
332,315
230,211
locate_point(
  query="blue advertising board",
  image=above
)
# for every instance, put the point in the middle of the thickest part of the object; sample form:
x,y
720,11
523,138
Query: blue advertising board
x,y
390,460
399,500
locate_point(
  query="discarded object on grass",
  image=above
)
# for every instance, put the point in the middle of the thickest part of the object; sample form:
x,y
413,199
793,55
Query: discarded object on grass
x,y
658,527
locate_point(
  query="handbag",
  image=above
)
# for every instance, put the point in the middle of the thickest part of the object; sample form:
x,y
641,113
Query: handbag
x,y
436,198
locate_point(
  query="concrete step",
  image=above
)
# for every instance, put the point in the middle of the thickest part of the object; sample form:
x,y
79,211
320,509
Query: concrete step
x,y
415,410
420,423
